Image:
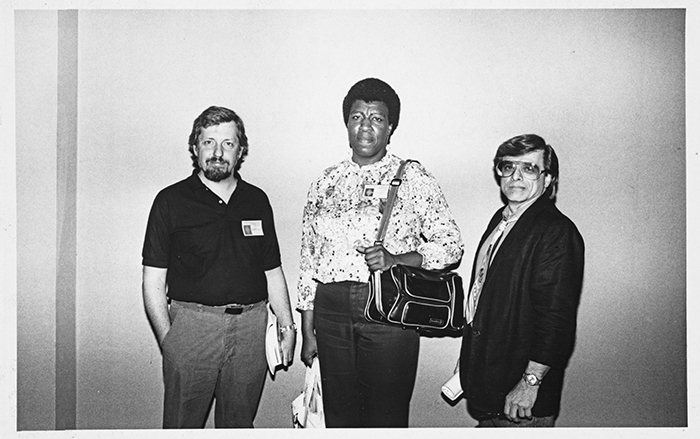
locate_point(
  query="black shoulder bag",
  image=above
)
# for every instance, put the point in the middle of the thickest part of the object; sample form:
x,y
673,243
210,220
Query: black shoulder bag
x,y
412,297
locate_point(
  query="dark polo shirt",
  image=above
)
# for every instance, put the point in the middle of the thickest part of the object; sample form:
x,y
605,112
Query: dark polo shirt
x,y
216,253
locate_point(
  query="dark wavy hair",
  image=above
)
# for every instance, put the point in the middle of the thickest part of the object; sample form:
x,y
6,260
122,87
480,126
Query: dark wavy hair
x,y
374,90
525,143
216,116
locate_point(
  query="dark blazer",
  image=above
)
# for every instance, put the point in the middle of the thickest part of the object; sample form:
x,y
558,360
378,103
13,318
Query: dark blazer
x,y
527,311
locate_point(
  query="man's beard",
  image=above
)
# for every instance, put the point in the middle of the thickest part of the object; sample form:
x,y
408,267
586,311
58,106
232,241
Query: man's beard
x,y
216,173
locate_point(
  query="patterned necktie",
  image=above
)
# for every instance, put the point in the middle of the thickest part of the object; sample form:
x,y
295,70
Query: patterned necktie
x,y
475,292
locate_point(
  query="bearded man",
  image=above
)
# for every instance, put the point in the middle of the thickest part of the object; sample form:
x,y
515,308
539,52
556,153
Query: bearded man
x,y
211,261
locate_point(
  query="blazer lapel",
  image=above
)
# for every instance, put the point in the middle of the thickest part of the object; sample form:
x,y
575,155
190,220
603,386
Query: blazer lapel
x,y
495,219
522,227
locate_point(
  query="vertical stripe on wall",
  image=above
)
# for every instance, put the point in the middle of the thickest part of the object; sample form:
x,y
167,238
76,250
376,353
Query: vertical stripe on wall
x,y
66,198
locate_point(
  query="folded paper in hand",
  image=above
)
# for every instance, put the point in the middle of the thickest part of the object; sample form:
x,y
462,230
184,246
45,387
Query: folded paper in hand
x,y
272,342
453,387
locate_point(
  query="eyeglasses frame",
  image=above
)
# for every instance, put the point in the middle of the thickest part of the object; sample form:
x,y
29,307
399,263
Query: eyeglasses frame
x,y
518,165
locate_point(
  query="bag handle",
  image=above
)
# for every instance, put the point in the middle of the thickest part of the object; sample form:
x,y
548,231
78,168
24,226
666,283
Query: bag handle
x,y
381,233
391,197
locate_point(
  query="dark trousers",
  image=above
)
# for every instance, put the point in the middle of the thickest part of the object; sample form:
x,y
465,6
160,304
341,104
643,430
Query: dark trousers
x,y
207,355
547,421
368,370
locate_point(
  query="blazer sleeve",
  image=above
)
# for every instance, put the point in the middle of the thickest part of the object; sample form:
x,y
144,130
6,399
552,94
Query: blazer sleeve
x,y
555,291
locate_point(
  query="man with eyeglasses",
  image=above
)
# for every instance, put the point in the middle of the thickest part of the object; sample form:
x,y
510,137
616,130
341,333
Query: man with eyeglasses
x,y
524,295
211,261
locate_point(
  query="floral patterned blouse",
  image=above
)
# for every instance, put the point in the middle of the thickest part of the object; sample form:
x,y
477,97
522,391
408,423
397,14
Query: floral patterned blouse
x,y
339,217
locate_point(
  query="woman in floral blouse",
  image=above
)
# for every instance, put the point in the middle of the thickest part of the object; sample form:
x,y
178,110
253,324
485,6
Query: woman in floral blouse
x,y
368,370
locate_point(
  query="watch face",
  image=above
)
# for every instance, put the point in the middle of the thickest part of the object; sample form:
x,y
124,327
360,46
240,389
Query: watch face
x,y
531,379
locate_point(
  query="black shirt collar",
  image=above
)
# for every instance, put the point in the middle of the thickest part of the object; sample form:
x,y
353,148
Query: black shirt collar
x,y
195,183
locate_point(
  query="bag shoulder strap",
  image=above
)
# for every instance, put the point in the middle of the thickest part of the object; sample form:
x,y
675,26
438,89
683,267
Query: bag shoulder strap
x,y
391,197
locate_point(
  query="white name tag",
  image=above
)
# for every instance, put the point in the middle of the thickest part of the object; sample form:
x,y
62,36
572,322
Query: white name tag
x,y
376,191
252,227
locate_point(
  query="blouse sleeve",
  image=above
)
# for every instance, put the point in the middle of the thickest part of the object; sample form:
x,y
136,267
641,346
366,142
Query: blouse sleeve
x,y
442,244
306,287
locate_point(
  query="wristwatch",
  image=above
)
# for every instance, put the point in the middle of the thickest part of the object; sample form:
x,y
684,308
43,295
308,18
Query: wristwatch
x,y
531,379
292,327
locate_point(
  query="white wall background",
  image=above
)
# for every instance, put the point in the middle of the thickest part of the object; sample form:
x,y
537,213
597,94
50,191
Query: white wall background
x,y
605,87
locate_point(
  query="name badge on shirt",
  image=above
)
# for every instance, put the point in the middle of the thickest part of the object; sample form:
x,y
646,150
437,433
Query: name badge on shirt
x,y
252,227
376,191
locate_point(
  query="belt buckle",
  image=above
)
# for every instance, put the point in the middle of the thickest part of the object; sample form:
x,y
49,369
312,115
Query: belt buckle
x,y
233,310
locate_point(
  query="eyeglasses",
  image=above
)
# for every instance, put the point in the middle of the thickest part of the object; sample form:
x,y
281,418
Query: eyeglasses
x,y
210,144
506,168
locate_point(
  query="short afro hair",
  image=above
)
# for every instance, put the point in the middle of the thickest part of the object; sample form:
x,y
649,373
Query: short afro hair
x,y
373,90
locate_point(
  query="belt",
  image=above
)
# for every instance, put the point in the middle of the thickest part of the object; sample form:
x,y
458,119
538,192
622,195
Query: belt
x,y
233,308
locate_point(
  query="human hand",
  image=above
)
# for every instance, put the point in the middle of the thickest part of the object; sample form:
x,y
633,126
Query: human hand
x,y
288,341
309,349
377,257
519,401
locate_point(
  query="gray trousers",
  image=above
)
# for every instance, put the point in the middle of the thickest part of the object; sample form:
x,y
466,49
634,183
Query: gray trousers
x,y
210,355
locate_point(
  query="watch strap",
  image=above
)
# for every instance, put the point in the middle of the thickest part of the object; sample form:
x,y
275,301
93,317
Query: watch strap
x,y
531,379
